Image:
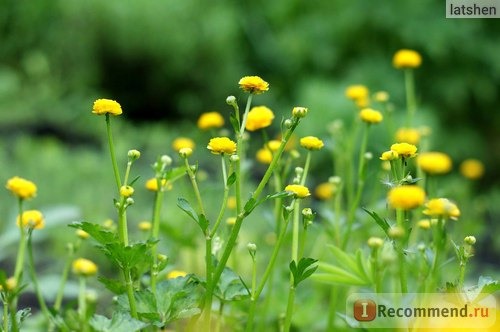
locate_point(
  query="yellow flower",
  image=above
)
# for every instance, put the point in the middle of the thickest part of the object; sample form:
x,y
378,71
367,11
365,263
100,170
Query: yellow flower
x,y
231,202
259,117
404,150
185,152
152,184
300,112
324,191
22,188
182,142
389,155
84,267
311,143
210,120
145,225
11,284
126,191
408,135
253,84
298,190
273,145
32,219
406,59
369,115
219,145
424,224
264,156
441,208
381,96
106,106
406,197
434,162
357,92
82,234
472,169
176,274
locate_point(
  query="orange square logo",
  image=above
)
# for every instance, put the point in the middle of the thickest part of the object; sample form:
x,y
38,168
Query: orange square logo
x,y
364,310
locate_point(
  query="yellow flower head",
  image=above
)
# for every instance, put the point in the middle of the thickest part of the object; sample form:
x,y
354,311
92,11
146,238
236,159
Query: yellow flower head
x,y
381,96
424,224
273,145
434,162
300,112
210,120
298,190
176,274
408,135
220,145
32,219
145,225
182,142
404,150
357,92
369,115
264,156
106,106
324,191
231,202
253,84
389,155
84,267
259,117
472,169
406,59
126,191
82,234
441,208
22,188
406,197
311,143
152,184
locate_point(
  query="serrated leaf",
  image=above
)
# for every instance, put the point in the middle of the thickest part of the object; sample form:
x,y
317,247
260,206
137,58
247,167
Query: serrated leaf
x,y
119,322
178,298
231,287
303,270
380,221
231,179
115,286
96,231
175,173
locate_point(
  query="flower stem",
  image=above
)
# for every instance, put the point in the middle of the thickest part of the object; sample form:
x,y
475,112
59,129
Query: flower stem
x,y
156,232
64,277
192,178
411,104
130,292
289,308
82,304
112,152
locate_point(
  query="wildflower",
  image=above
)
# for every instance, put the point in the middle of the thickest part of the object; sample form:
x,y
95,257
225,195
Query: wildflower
x,y
408,135
108,224
185,152
145,225
231,221
434,162
369,115
10,283
311,143
298,190
406,197
406,59
182,142
273,145
231,202
133,154
299,112
375,242
389,155
22,188
381,96
404,150
152,184
424,224
210,120
84,267
441,208
106,106
253,84
324,191
472,169
31,219
82,234
357,92
126,191
264,156
220,145
470,240
396,232
259,117
176,274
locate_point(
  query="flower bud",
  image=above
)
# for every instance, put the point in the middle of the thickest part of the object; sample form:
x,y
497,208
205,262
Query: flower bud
x,y
396,232
335,180
185,152
299,112
82,234
470,240
166,160
288,123
126,191
375,242
133,155
368,156
130,201
252,247
231,100
234,158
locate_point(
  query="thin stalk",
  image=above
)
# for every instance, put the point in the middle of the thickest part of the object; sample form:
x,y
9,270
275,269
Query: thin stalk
x,y
245,115
19,266
192,178
295,231
130,292
401,256
82,304
289,308
376,270
112,153
64,277
122,222
156,232
411,104
5,317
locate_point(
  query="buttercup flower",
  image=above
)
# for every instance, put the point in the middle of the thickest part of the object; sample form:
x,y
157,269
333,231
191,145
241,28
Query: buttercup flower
x,y
273,145
424,224
311,143
106,106
264,156
11,284
22,188
369,115
434,162
404,150
82,234
210,120
176,274
299,112
406,197
441,208
84,267
472,169
298,190
325,191
126,191
389,155
152,184
408,135
185,152
357,92
31,219
381,96
259,117
253,84
406,59
219,145
182,142
145,225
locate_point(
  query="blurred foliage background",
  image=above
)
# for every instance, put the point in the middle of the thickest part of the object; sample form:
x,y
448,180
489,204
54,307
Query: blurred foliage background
x,y
168,61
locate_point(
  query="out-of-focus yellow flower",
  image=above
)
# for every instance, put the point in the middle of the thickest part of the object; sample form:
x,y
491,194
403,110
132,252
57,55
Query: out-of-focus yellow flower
x,y
406,197
298,190
253,84
185,152
11,284
357,92
231,221
264,156
406,59
152,184
375,242
182,142
404,150
311,143
231,202
210,120
82,234
381,96
176,274
273,145
22,188
434,162
472,169
389,155
369,115
424,224
106,106
259,117
126,191
441,208
324,191
31,219
84,267
219,145
145,225
408,135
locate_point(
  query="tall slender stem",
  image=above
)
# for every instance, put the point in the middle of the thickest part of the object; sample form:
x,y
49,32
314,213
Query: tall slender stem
x,y
411,104
156,232
112,153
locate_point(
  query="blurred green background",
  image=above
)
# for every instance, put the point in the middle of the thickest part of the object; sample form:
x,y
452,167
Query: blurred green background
x,y
168,61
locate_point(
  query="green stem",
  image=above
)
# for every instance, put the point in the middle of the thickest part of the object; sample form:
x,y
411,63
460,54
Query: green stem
x,y
130,292
245,115
112,152
411,104
82,304
289,308
332,312
5,317
122,222
401,255
295,231
65,274
192,178
376,270
155,232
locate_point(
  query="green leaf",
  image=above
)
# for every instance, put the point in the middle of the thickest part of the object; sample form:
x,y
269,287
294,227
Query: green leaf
x,y
96,231
381,222
231,179
119,322
303,270
234,122
231,287
250,205
184,205
175,173
134,180
203,222
281,194
115,286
